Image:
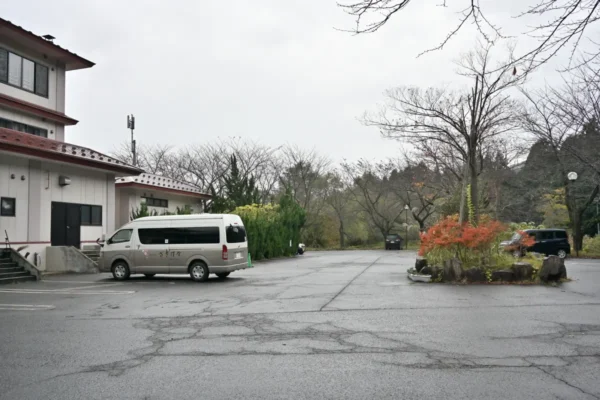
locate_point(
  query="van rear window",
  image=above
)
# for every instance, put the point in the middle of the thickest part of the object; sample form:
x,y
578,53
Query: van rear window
x,y
236,234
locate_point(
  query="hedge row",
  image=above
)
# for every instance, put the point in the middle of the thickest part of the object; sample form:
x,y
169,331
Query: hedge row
x,y
270,228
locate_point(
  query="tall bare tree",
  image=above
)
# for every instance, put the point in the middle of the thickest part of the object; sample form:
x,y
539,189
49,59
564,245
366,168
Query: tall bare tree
x,y
463,121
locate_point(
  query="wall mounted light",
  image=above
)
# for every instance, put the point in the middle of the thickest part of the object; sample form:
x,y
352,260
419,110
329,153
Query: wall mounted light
x,y
64,180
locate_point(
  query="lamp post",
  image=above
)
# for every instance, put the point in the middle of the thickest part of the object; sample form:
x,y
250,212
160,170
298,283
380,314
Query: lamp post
x,y
406,208
572,176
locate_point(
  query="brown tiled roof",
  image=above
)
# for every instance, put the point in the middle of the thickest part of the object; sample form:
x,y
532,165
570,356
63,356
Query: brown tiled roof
x,y
36,146
34,109
161,183
71,60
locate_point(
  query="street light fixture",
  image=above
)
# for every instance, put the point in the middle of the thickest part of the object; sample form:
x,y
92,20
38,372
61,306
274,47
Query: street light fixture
x,y
406,208
572,176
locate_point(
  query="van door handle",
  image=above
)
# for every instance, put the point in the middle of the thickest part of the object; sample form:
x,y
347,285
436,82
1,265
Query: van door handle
x,y
127,247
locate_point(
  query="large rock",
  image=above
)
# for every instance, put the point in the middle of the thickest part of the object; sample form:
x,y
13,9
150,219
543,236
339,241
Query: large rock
x,y
452,270
436,273
475,275
553,269
420,263
426,270
503,275
523,271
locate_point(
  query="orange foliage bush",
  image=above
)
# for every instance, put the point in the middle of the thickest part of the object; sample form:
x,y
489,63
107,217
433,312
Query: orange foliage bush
x,y
461,240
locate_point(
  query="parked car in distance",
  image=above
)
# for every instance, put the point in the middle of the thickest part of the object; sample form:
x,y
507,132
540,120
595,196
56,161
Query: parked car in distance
x,y
547,241
393,241
198,245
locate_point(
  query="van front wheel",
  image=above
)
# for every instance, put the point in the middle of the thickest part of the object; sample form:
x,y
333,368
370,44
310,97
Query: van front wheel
x,y
120,271
199,271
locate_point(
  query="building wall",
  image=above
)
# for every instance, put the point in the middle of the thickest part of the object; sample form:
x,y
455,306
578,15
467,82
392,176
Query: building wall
x,y
34,196
130,198
56,80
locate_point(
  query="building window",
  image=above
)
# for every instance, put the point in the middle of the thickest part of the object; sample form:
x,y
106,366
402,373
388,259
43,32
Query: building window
x,y
7,206
91,215
17,126
152,202
23,73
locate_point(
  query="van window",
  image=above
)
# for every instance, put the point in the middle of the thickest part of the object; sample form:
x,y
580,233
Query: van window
x,y
153,235
121,236
545,235
561,234
236,234
196,235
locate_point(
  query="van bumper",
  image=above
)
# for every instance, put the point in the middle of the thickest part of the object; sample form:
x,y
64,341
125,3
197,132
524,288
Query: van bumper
x,y
219,269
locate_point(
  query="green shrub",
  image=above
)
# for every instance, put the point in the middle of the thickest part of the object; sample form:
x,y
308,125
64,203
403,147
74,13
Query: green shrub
x,y
591,245
270,228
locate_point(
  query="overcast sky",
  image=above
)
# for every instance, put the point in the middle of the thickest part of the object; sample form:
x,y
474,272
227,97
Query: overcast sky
x,y
273,71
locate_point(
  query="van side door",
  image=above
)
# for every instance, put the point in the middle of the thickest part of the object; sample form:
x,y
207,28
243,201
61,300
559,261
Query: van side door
x,y
152,251
194,242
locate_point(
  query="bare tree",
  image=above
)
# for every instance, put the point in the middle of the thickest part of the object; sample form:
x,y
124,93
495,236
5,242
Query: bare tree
x,y
419,188
374,193
460,121
304,171
562,24
338,194
561,118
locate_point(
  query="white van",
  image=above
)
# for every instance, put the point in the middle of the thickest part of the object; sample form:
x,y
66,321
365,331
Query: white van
x,y
198,245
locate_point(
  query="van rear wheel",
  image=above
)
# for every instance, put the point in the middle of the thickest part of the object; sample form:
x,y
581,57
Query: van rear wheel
x,y
223,275
199,271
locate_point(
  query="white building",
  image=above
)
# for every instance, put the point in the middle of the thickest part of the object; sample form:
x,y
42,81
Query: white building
x,y
159,193
52,193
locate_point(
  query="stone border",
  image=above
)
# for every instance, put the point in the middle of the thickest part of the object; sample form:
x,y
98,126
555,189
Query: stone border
x,y
553,270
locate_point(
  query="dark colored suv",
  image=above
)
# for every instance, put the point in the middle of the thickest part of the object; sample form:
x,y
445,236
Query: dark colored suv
x,y
393,241
547,241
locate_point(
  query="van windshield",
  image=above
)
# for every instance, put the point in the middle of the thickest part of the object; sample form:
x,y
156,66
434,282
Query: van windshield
x,y
236,234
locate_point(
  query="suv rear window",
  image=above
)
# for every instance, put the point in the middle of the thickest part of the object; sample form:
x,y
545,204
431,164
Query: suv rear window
x,y
235,234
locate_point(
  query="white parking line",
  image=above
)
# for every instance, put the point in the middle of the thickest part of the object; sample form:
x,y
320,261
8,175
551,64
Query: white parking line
x,y
25,307
58,291
53,281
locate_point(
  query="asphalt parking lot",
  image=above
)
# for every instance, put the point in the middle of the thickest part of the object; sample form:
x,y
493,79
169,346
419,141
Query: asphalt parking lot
x,y
326,325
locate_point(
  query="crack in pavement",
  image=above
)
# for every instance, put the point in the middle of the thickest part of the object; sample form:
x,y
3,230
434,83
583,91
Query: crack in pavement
x,y
257,335
349,283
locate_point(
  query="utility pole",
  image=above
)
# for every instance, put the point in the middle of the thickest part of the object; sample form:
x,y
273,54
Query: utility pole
x,y
131,125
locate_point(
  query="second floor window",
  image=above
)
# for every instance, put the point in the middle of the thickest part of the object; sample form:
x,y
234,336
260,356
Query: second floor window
x,y
17,126
23,73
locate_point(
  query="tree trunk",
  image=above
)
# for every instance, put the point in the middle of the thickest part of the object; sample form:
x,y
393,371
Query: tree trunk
x,y
474,187
577,232
342,244
463,194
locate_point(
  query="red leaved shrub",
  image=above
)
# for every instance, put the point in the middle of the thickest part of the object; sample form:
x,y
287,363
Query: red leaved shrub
x,y
448,238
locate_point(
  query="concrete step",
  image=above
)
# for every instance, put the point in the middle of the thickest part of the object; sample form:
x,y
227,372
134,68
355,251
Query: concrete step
x,y
14,268
17,279
8,265
14,274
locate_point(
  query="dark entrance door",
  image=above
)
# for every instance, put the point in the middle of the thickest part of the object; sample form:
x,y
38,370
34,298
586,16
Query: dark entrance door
x,y
65,224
